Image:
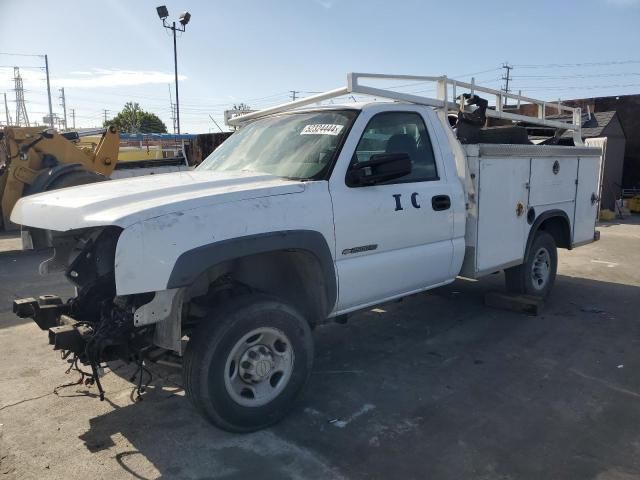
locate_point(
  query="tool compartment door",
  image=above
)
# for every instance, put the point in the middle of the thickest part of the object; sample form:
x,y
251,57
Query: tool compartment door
x,y
553,182
502,212
587,199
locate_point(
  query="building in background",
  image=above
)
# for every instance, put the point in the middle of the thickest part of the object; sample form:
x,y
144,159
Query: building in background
x,y
627,108
618,119
607,125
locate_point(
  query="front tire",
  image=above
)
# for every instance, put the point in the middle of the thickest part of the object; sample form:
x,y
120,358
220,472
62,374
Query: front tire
x,y
247,362
537,275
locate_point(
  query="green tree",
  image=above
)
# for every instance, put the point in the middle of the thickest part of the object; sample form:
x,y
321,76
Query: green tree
x,y
132,119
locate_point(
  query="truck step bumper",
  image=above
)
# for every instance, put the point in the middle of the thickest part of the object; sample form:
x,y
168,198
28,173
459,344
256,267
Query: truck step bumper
x,y
45,311
70,335
48,311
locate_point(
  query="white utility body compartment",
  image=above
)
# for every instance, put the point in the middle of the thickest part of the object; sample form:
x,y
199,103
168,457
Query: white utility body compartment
x,y
513,187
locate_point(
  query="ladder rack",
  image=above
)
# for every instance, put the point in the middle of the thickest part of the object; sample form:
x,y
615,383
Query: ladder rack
x,y
447,90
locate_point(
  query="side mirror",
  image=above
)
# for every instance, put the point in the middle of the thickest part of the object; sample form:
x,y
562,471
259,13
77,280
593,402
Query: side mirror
x,y
379,168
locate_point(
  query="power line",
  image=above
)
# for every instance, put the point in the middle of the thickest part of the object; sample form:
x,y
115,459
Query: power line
x,y
578,87
21,54
216,123
591,75
584,64
478,73
23,67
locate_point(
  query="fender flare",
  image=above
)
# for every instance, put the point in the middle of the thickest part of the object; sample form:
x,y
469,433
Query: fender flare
x,y
540,220
194,262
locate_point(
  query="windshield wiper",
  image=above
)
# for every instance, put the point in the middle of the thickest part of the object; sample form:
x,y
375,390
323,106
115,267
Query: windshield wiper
x,y
297,179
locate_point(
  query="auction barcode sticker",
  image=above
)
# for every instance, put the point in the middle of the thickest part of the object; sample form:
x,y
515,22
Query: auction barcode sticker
x,y
322,129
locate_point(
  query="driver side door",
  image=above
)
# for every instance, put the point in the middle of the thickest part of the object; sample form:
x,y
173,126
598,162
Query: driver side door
x,y
394,237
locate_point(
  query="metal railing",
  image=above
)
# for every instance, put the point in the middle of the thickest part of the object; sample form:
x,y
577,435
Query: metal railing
x,y
447,90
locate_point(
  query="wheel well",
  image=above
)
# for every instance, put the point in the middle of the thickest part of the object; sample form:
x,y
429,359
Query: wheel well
x,y
295,276
558,227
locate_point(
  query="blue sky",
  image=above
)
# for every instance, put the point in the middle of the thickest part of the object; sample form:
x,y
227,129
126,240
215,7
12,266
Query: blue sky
x,y
106,53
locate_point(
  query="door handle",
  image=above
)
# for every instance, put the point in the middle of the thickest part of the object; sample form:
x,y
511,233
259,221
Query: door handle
x,y
440,202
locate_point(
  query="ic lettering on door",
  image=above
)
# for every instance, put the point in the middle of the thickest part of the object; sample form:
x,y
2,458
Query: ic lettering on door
x,y
414,201
398,203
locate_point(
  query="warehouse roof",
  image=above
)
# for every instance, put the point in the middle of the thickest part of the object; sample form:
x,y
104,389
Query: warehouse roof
x,y
593,124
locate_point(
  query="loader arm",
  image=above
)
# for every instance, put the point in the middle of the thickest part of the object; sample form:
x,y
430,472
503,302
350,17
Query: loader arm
x,y
32,151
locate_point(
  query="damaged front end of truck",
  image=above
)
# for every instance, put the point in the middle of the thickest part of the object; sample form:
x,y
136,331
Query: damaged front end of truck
x,y
97,325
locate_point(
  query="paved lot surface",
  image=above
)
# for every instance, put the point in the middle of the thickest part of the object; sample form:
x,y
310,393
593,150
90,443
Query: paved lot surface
x,y
437,386
10,242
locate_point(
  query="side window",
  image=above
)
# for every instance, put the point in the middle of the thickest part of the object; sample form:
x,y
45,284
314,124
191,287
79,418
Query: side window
x,y
399,132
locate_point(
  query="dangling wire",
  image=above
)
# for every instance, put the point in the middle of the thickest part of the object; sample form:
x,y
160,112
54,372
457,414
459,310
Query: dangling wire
x,y
86,378
140,388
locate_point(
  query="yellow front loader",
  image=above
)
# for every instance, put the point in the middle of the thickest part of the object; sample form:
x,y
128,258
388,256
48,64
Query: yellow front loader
x,y
34,160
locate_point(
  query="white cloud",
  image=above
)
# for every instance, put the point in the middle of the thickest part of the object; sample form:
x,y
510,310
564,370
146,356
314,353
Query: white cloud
x,y
325,3
99,78
96,78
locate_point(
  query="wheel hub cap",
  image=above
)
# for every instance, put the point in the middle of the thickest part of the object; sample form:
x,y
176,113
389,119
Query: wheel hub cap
x,y
259,367
256,364
541,268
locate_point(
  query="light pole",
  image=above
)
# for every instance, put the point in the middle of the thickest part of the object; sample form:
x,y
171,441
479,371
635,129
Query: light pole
x,y
184,18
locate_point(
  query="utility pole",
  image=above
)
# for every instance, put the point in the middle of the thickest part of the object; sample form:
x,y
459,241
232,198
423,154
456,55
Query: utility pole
x,y
46,67
21,108
6,111
173,110
63,104
294,94
506,78
73,117
174,119
106,112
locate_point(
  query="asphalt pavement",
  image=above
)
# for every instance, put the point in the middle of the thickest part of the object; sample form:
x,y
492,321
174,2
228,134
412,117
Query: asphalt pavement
x,y
438,386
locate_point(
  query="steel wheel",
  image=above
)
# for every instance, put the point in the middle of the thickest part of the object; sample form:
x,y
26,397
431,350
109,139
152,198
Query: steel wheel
x,y
259,367
247,362
540,269
537,274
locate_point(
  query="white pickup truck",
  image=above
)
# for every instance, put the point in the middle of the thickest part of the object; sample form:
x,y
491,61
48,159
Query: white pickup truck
x,y
307,213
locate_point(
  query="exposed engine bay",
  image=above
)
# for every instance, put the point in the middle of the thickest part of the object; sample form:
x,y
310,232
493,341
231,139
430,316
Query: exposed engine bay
x,y
96,325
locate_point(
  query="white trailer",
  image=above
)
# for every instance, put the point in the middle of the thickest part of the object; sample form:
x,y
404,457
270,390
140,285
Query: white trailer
x,y
307,213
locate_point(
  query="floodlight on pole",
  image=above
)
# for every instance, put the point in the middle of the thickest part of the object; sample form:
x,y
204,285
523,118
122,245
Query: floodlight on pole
x,y
183,19
162,12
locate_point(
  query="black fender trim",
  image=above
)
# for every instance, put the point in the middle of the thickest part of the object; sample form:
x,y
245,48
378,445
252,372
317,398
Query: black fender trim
x,y
193,263
47,177
540,219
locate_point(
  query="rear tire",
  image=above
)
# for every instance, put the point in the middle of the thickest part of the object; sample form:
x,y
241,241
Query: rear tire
x,y
247,362
537,275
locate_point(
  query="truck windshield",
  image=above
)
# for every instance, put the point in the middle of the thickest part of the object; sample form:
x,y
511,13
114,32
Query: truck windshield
x,y
297,145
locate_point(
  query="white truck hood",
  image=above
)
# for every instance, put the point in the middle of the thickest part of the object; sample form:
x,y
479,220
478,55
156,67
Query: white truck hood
x,y
128,201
